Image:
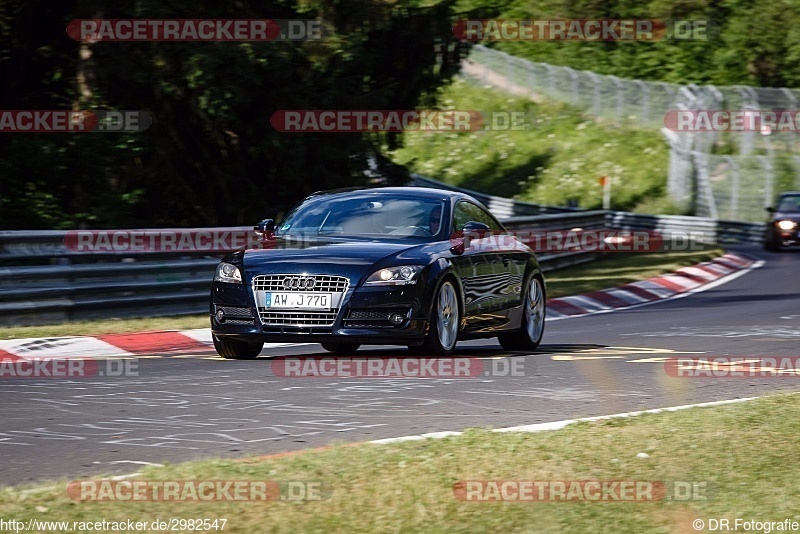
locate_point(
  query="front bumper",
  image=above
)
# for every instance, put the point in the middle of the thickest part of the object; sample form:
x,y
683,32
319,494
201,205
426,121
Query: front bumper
x,y
381,315
784,237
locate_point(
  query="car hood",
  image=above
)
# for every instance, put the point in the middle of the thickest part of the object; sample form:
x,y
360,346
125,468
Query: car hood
x,y
786,216
286,256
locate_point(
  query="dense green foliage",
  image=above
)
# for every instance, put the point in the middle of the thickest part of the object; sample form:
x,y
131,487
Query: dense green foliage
x,y
556,156
751,42
560,159
211,156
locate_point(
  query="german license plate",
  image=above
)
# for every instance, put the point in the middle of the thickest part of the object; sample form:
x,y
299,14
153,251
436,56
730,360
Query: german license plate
x,y
298,299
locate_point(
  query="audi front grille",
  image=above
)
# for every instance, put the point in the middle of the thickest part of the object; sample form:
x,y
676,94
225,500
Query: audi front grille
x,y
296,282
295,318
323,283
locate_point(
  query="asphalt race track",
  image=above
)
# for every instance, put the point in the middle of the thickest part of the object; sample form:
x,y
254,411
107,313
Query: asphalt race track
x,y
194,406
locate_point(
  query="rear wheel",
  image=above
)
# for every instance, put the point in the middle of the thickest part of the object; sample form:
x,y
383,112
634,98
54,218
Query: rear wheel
x,y
340,348
445,320
237,350
531,330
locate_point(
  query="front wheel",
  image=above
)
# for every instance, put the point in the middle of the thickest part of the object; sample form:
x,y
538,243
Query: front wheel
x,y
773,245
237,350
531,330
445,320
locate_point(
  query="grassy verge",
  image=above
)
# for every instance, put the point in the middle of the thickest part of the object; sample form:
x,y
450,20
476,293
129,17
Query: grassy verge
x,y
408,487
559,154
607,272
618,269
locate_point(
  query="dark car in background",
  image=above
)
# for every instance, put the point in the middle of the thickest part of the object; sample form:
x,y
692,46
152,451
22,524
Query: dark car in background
x,y
386,266
783,226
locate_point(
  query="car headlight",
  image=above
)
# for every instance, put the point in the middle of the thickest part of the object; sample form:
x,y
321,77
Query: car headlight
x,y
227,272
786,225
395,276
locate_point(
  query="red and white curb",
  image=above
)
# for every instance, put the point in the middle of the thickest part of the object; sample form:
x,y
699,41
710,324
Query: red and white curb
x,y
198,341
113,345
680,283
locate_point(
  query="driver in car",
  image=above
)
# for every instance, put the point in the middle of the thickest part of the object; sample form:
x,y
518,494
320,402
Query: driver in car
x,y
435,220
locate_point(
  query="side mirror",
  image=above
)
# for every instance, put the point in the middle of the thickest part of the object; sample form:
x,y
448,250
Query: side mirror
x,y
265,228
476,229
770,209
458,245
471,230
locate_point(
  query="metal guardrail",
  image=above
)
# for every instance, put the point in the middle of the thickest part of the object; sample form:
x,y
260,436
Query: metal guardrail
x,y
121,282
509,210
33,246
586,220
501,207
56,293
703,229
46,277
71,285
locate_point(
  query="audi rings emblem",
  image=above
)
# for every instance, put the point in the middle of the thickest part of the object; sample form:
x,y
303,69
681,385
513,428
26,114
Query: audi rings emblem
x,y
299,282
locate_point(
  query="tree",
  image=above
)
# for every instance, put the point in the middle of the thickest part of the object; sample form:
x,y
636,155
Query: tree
x,y
211,156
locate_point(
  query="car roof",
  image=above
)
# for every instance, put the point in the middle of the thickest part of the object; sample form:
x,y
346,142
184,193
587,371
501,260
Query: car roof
x,y
419,192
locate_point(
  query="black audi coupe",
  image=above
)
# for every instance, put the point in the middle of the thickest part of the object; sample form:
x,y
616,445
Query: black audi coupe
x,y
783,226
384,266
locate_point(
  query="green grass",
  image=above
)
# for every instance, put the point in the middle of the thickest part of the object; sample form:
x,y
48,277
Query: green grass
x,y
618,269
741,452
610,271
559,155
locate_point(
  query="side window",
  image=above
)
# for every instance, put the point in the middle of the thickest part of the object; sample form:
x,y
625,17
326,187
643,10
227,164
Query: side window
x,y
467,211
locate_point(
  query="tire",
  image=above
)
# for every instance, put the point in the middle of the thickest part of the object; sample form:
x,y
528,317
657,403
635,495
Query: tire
x,y
445,321
531,330
773,245
340,348
237,350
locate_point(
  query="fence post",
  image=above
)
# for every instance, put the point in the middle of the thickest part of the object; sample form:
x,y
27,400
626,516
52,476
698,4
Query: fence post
x,y
644,112
733,211
573,78
620,99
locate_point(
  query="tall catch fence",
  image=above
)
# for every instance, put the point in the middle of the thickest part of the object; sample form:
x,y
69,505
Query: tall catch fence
x,y
727,175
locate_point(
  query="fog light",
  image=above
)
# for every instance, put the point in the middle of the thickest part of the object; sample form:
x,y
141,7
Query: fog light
x,y
220,315
396,319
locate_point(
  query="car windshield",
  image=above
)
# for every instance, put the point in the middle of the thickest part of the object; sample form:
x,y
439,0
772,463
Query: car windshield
x,y
789,203
365,215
